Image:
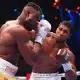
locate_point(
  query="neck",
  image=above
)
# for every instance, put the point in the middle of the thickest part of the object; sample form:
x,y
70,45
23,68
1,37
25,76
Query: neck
x,y
61,44
18,20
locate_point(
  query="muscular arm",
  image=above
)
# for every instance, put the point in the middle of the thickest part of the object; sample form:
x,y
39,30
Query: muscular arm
x,y
67,59
71,75
43,28
22,36
28,51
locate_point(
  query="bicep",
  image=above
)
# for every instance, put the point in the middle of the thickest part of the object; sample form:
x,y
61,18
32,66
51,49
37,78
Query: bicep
x,y
27,53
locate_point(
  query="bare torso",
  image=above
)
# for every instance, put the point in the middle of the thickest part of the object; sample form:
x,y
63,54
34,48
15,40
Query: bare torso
x,y
8,46
10,34
48,63
9,50
44,64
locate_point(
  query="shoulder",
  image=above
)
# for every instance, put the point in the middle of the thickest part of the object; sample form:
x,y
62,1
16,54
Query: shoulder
x,y
7,23
14,30
51,34
17,29
13,26
10,21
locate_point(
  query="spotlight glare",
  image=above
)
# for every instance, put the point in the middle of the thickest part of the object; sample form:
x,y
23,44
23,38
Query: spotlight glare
x,y
68,11
15,10
42,17
79,14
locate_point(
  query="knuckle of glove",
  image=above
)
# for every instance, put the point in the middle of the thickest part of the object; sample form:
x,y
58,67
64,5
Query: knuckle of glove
x,y
63,54
45,23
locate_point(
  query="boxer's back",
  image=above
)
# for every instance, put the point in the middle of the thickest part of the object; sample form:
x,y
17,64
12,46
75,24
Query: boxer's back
x,y
8,46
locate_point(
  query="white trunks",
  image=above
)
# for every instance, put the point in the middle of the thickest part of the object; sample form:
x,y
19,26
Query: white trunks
x,y
7,68
44,76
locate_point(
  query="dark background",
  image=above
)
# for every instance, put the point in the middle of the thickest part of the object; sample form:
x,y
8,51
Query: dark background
x,y
10,9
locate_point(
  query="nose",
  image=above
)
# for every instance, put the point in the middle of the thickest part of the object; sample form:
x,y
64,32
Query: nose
x,y
61,33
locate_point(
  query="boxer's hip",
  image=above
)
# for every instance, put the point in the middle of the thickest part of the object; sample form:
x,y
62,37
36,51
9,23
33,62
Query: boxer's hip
x,y
7,68
44,76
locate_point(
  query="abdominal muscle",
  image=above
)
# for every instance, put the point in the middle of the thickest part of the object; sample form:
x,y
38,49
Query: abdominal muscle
x,y
45,65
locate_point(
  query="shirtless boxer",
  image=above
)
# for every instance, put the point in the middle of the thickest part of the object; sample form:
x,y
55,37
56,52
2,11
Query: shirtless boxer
x,y
54,55
21,27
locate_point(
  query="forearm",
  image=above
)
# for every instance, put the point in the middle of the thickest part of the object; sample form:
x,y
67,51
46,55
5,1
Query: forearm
x,y
70,71
71,75
37,48
34,52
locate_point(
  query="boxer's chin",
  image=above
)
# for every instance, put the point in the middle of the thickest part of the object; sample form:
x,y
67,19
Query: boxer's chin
x,y
60,39
30,24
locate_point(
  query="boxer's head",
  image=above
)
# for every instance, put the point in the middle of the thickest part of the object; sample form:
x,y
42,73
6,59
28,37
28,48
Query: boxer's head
x,y
30,15
64,30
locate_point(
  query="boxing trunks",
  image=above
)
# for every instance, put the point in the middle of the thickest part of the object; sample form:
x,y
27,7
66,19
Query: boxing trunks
x,y
44,76
7,68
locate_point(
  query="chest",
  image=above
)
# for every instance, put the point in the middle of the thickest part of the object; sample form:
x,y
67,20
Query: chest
x,y
46,61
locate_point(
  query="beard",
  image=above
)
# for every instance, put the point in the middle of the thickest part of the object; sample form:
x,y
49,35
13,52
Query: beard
x,y
60,40
30,24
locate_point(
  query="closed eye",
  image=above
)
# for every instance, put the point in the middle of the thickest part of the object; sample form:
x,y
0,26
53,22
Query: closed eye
x,y
60,29
65,31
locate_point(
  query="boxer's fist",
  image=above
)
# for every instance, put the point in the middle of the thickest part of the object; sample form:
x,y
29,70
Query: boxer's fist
x,y
62,56
44,28
32,35
49,42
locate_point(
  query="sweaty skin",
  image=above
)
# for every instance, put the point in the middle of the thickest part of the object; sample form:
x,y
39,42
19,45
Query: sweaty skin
x,y
48,63
21,27
13,31
8,46
51,62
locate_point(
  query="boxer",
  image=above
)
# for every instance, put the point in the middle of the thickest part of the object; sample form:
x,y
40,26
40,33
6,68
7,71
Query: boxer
x,y
12,31
54,54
